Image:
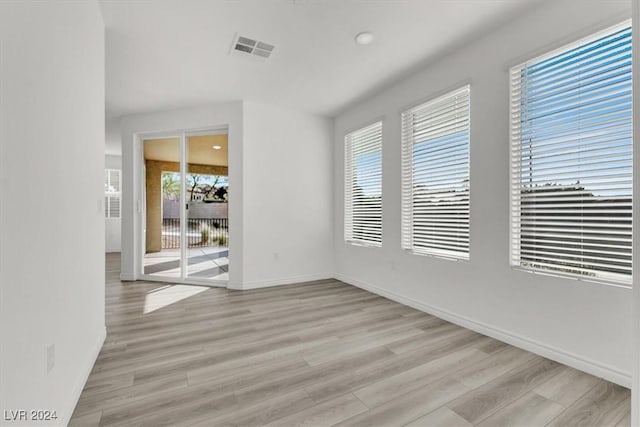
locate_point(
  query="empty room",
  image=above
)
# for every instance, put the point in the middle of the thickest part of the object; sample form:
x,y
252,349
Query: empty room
x,y
319,212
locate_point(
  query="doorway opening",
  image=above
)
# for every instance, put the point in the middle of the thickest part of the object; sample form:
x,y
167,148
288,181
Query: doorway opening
x,y
186,215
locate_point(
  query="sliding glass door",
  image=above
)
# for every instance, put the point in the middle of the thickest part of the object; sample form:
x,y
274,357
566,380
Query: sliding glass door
x,y
162,240
186,190
207,219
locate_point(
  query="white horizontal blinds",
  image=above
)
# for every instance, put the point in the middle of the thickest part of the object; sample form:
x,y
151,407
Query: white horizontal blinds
x,y
435,176
363,186
112,181
112,192
114,207
571,159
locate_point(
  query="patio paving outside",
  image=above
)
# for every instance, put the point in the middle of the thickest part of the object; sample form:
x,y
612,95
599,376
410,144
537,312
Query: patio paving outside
x,y
202,263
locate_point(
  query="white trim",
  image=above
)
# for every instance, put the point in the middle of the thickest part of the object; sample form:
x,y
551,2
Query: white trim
x,y
576,43
573,276
601,272
350,172
127,277
212,283
139,139
220,130
450,106
619,20
65,416
635,318
257,284
184,263
108,194
592,367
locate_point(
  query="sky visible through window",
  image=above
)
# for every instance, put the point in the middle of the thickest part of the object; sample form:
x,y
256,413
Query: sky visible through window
x,y
366,164
456,170
445,175
582,97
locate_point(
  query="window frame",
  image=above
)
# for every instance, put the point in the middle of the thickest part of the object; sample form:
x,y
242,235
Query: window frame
x,y
541,55
407,215
112,194
347,182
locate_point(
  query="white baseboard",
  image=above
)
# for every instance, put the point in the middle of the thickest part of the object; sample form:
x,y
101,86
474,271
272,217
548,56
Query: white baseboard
x,y
570,359
127,277
279,282
235,286
65,417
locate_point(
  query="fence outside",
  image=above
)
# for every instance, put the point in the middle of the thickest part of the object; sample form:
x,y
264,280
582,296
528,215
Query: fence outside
x,y
201,232
197,209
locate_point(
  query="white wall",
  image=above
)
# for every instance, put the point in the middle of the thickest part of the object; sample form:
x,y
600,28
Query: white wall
x,y
113,138
51,260
113,226
287,196
280,177
580,323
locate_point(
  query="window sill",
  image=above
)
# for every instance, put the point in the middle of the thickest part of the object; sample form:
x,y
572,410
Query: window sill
x,y
438,256
363,244
560,275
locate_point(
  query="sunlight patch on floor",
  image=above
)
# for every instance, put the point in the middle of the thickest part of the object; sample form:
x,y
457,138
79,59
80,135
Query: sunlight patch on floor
x,y
167,295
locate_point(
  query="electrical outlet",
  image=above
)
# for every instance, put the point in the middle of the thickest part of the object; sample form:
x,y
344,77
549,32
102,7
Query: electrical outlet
x,y
51,357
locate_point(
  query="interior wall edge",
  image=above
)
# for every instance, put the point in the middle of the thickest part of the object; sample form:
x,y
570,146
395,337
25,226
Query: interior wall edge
x,y
86,371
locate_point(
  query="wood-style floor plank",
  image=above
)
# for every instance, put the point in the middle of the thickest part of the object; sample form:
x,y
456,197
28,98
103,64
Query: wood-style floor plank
x,y
531,410
318,354
494,395
441,417
600,406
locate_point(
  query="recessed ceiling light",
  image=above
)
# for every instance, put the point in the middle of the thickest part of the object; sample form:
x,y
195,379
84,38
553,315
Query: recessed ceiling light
x,y
216,147
364,38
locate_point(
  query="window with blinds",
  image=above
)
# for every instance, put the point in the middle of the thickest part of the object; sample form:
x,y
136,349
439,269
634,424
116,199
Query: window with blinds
x,y
363,186
435,176
571,159
112,193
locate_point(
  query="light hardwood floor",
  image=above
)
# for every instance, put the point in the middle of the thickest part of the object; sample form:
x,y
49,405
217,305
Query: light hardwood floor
x,y
318,354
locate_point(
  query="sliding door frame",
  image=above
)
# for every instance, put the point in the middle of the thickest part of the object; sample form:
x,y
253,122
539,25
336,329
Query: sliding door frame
x,y
182,135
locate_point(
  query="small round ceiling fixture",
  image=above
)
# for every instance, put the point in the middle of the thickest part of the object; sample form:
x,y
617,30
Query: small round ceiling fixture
x,y
364,38
216,147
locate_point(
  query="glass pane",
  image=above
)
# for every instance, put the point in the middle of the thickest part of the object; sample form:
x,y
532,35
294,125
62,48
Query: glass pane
x,y
162,188
207,187
114,181
114,207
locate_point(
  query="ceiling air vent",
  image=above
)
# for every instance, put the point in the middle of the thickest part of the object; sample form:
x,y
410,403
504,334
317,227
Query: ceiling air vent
x,y
252,47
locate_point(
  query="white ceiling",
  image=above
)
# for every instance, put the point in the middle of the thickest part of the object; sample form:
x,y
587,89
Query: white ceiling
x,y
164,54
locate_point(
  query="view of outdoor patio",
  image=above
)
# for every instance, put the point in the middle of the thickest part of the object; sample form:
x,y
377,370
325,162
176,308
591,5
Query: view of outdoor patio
x,y
207,251
205,193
